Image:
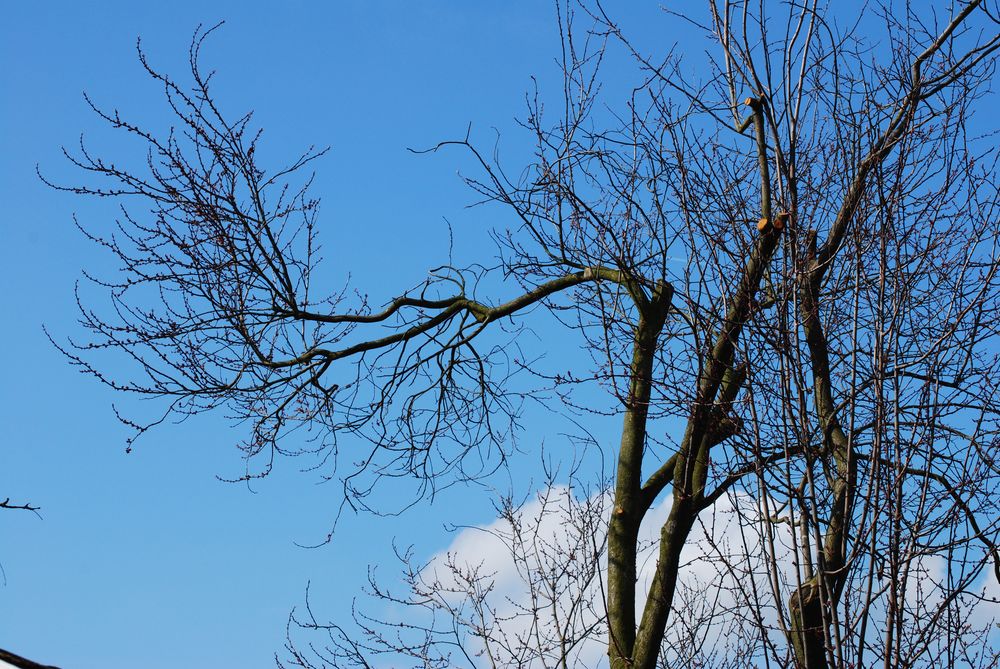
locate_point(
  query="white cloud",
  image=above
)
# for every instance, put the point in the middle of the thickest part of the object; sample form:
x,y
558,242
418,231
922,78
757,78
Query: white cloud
x,y
525,554
531,566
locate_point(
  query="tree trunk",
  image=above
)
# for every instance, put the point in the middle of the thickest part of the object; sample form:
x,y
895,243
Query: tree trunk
x,y
628,503
807,627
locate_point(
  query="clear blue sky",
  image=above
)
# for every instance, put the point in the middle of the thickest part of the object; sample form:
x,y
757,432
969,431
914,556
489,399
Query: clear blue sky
x,y
146,560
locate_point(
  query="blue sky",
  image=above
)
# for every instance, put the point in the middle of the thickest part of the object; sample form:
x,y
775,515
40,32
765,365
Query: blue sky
x,y
147,559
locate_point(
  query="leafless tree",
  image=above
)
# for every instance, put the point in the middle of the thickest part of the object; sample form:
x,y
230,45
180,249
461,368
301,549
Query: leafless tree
x,y
459,615
784,268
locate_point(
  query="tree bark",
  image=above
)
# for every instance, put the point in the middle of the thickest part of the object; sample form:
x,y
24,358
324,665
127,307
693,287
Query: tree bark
x,y
628,503
811,604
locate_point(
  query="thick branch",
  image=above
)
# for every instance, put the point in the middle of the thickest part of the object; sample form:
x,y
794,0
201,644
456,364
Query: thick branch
x,y
21,662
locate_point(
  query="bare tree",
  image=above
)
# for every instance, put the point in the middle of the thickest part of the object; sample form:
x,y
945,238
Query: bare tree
x,y
783,267
458,615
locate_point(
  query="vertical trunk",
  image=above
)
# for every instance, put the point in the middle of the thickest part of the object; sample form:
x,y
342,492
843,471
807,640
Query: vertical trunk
x,y
628,511
673,536
707,427
807,629
812,604
640,649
